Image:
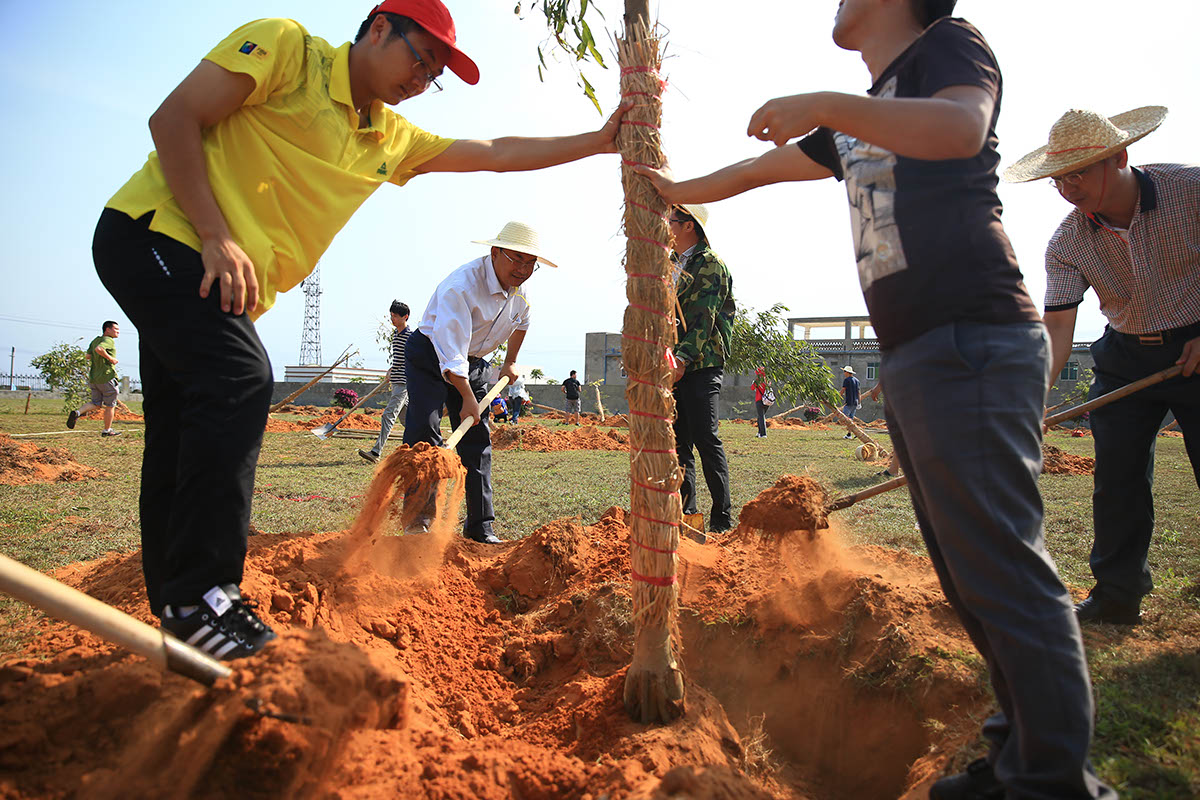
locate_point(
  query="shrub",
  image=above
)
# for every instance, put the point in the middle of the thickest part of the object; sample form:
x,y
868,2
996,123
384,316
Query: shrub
x,y
345,398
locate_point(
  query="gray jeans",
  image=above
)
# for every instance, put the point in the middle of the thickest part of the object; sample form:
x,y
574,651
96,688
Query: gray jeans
x,y
964,407
391,411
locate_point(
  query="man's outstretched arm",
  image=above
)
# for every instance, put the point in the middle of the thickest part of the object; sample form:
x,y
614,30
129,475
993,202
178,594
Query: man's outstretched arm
x,y
788,163
518,153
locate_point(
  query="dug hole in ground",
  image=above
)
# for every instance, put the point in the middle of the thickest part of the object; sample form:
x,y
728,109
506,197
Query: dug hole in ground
x,y
431,666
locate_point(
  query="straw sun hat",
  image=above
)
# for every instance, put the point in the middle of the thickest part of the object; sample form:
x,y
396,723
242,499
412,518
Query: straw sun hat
x,y
698,212
519,237
1081,138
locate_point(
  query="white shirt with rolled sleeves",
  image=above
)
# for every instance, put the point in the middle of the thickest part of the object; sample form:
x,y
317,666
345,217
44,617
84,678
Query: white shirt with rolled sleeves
x,y
471,314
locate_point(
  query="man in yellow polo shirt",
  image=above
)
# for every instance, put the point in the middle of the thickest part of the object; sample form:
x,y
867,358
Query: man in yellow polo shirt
x,y
262,154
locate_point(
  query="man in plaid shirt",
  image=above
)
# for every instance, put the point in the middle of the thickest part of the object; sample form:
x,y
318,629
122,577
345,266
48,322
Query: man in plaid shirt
x,y
1134,237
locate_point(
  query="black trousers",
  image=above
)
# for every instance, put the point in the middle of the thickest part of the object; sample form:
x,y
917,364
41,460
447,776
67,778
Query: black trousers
x,y
762,417
1126,433
428,391
207,384
697,408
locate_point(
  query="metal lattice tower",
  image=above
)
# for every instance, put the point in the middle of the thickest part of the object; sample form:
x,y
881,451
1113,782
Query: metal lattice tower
x,y
310,339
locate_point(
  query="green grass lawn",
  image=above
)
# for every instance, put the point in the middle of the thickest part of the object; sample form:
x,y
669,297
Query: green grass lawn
x,y
1147,678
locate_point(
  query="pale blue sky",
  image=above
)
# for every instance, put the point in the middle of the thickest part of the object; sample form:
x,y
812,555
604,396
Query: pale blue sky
x,y
80,80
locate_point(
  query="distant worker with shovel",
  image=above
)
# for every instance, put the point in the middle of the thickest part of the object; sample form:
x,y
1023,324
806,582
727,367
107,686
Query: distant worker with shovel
x,y
1133,236
479,307
263,154
399,340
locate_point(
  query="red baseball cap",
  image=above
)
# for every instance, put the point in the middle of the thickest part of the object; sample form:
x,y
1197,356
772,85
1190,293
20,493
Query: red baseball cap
x,y
435,18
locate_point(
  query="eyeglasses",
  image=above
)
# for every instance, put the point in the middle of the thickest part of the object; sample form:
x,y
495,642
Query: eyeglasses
x,y
679,221
1072,178
531,264
429,77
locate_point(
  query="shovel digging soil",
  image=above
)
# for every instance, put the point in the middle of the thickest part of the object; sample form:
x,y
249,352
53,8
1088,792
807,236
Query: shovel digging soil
x,y
429,480
800,503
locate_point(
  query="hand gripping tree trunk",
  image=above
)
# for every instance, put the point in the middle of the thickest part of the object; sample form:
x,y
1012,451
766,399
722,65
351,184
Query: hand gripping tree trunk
x,y
654,683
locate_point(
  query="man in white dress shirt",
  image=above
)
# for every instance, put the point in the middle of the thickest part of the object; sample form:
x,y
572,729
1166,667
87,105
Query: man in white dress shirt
x,y
473,311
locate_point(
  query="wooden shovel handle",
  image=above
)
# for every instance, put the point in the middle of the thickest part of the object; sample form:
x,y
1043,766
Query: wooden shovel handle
x,y
466,424
879,488
61,601
1116,394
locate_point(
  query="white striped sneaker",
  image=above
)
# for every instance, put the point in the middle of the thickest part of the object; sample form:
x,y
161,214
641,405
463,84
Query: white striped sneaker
x,y
222,625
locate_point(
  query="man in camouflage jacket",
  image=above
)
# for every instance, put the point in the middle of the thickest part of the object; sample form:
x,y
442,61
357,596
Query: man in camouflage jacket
x,y
705,291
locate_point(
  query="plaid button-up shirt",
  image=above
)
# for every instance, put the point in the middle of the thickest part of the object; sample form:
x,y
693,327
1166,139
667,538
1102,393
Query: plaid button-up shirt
x,y
1148,279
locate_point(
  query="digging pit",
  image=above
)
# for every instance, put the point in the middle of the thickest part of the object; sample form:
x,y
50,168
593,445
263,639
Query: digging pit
x,y
431,666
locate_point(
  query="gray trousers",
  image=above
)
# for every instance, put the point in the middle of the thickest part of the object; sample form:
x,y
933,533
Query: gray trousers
x,y
391,412
964,406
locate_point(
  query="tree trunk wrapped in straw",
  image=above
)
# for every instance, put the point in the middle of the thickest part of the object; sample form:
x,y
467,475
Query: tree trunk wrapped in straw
x,y
654,684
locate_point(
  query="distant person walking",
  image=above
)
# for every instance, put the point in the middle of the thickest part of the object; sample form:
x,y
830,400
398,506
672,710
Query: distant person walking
x,y
570,388
763,398
396,377
516,398
102,378
850,398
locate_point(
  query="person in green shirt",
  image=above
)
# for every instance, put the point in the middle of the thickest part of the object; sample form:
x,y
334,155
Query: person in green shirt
x,y
102,378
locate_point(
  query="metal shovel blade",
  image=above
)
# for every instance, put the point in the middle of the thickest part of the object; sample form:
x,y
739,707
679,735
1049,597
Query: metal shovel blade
x,y
323,431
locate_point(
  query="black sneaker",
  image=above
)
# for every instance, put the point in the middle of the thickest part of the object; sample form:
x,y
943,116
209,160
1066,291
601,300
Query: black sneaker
x,y
977,783
222,625
483,537
72,418
848,436
369,455
111,432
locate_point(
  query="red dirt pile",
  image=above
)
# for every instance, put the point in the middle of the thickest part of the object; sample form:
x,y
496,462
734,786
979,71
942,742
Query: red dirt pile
x,y
359,420
23,463
304,411
794,423
794,503
119,415
549,440
496,672
1056,461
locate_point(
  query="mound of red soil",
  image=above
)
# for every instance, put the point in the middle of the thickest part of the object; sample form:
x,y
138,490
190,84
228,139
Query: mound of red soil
x,y
442,668
119,415
548,440
1056,461
1079,433
22,463
794,503
306,411
359,420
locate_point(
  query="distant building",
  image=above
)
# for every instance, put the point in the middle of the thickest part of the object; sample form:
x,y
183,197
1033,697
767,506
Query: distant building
x,y
863,354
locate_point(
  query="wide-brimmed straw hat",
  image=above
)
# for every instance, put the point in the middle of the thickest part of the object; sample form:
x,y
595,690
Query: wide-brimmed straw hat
x,y
848,369
519,237
1080,138
698,212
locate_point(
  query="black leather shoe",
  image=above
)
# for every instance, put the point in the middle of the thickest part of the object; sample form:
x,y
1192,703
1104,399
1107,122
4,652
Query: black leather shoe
x,y
718,525
486,537
1094,609
977,783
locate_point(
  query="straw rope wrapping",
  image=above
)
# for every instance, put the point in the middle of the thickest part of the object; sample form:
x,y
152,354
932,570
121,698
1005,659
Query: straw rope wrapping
x,y
654,684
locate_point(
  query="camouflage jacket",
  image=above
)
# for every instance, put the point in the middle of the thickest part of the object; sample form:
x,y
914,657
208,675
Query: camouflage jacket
x,y
705,290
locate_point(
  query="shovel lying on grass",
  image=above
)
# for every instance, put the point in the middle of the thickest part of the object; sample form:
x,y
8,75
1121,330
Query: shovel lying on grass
x,y
1054,419
324,431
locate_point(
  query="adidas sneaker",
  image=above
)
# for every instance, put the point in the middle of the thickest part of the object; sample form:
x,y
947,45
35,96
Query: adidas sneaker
x,y
223,625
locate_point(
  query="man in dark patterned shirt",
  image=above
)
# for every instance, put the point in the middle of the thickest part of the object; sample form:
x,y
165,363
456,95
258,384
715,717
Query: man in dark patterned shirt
x,y
705,330
964,349
399,313
1133,236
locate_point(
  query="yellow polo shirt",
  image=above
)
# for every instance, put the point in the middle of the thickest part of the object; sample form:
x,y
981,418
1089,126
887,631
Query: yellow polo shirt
x,y
291,166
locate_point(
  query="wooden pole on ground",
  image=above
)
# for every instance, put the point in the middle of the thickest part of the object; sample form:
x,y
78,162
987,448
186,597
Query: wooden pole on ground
x,y
343,357
654,689
785,413
857,431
